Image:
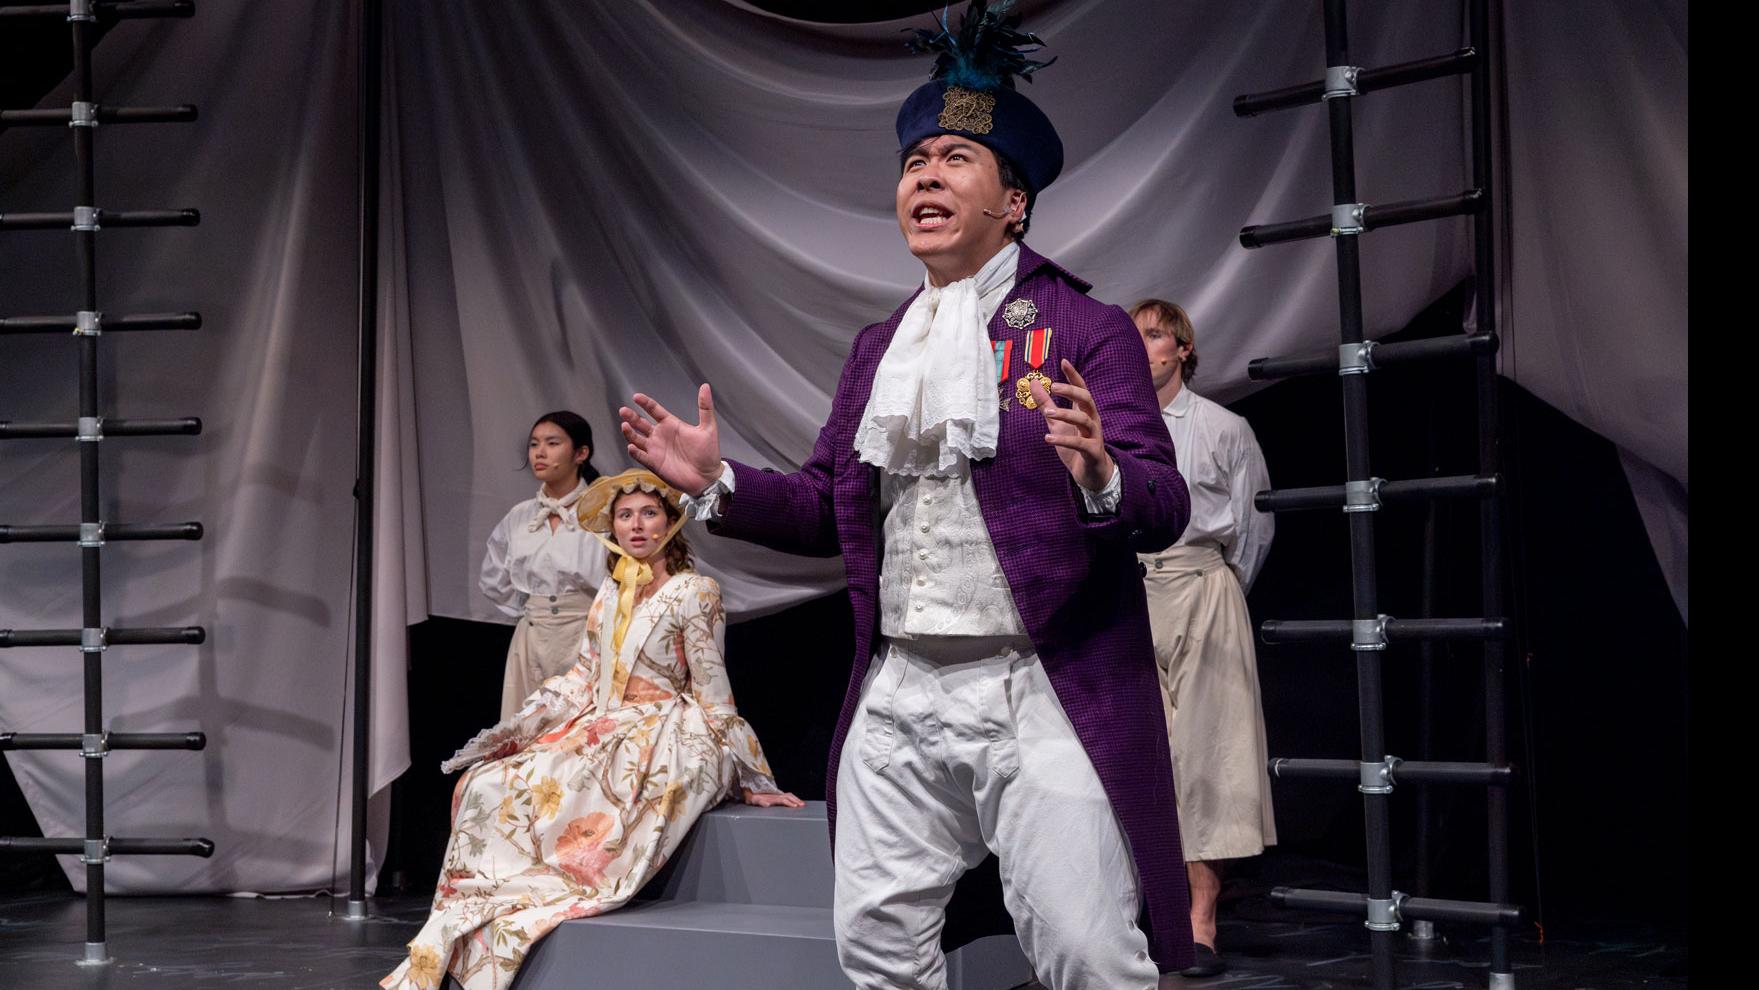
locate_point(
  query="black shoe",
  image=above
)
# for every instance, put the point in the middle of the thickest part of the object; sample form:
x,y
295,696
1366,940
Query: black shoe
x,y
1204,962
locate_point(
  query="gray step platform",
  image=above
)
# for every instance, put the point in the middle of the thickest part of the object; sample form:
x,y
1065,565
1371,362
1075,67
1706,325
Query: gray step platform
x,y
738,854
744,905
686,945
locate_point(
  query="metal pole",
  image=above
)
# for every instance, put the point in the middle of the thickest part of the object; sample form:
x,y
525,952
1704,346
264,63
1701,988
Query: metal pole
x,y
91,509
1385,77
368,161
1425,930
1490,512
1364,590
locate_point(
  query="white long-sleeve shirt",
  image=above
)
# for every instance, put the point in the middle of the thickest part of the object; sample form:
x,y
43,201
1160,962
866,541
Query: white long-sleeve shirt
x,y
521,562
1218,455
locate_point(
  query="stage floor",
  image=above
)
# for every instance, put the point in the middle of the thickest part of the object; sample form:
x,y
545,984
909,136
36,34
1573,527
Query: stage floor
x,y
206,943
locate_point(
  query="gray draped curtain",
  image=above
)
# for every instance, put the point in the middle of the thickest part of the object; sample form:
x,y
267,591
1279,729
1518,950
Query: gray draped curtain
x,y
585,199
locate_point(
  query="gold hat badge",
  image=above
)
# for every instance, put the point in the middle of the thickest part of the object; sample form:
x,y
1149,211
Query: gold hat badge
x,y
967,110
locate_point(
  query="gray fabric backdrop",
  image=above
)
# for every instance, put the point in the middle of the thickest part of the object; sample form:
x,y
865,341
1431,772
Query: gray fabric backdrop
x,y
585,199
272,270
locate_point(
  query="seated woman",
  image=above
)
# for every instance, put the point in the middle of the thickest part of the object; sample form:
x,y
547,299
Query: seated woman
x,y
574,802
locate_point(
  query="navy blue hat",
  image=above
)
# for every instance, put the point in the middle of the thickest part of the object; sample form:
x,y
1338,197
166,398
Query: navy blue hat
x,y
971,92
1001,120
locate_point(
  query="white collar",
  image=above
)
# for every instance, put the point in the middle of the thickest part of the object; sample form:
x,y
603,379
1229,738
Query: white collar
x,y
1004,260
1181,403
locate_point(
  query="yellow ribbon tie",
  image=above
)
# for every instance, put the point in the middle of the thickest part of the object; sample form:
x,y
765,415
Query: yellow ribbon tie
x,y
630,574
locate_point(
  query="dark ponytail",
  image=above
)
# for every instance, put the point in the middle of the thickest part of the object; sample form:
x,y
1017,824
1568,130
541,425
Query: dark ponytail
x,y
579,433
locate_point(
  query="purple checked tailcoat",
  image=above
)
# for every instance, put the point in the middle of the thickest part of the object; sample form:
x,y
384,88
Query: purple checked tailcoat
x,y
1074,577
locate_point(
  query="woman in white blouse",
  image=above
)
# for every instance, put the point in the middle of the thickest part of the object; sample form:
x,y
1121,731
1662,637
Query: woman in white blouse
x,y
541,566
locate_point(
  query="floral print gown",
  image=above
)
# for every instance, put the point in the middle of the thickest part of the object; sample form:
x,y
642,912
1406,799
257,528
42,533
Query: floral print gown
x,y
582,795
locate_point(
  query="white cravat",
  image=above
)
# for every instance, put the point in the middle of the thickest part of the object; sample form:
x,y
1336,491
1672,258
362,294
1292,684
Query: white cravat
x,y
562,507
933,406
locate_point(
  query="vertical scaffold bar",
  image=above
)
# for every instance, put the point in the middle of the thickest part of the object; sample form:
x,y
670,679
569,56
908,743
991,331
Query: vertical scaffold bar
x,y
92,611
1364,589
1490,510
1426,698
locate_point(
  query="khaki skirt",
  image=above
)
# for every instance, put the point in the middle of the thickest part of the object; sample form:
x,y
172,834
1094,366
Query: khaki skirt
x,y
1209,683
546,642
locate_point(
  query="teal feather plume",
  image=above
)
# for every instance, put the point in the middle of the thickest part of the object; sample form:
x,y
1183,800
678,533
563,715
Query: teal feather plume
x,y
986,53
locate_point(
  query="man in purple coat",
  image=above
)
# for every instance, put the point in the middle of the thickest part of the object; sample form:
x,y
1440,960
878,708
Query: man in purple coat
x,y
1004,696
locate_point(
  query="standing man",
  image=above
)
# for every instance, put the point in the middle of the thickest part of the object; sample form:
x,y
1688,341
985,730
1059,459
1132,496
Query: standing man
x,y
1202,634
1004,696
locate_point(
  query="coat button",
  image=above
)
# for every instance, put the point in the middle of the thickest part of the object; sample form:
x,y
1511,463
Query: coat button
x,y
1151,484
552,598
1157,565
1135,534
555,611
1142,567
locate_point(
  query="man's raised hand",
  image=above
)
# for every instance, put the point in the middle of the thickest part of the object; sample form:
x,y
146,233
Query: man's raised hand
x,y
1075,431
686,456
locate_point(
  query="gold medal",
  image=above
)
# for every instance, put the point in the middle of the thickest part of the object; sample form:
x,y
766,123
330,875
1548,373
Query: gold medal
x,y
1038,348
1023,387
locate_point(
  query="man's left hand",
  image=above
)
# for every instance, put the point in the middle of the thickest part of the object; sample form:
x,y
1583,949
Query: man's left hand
x,y
1075,431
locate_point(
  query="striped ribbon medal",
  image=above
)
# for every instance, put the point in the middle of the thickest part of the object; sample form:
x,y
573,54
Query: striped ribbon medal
x,y
1038,348
1004,351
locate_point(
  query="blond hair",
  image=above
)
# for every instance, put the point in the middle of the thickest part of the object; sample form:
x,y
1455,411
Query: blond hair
x,y
1171,316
